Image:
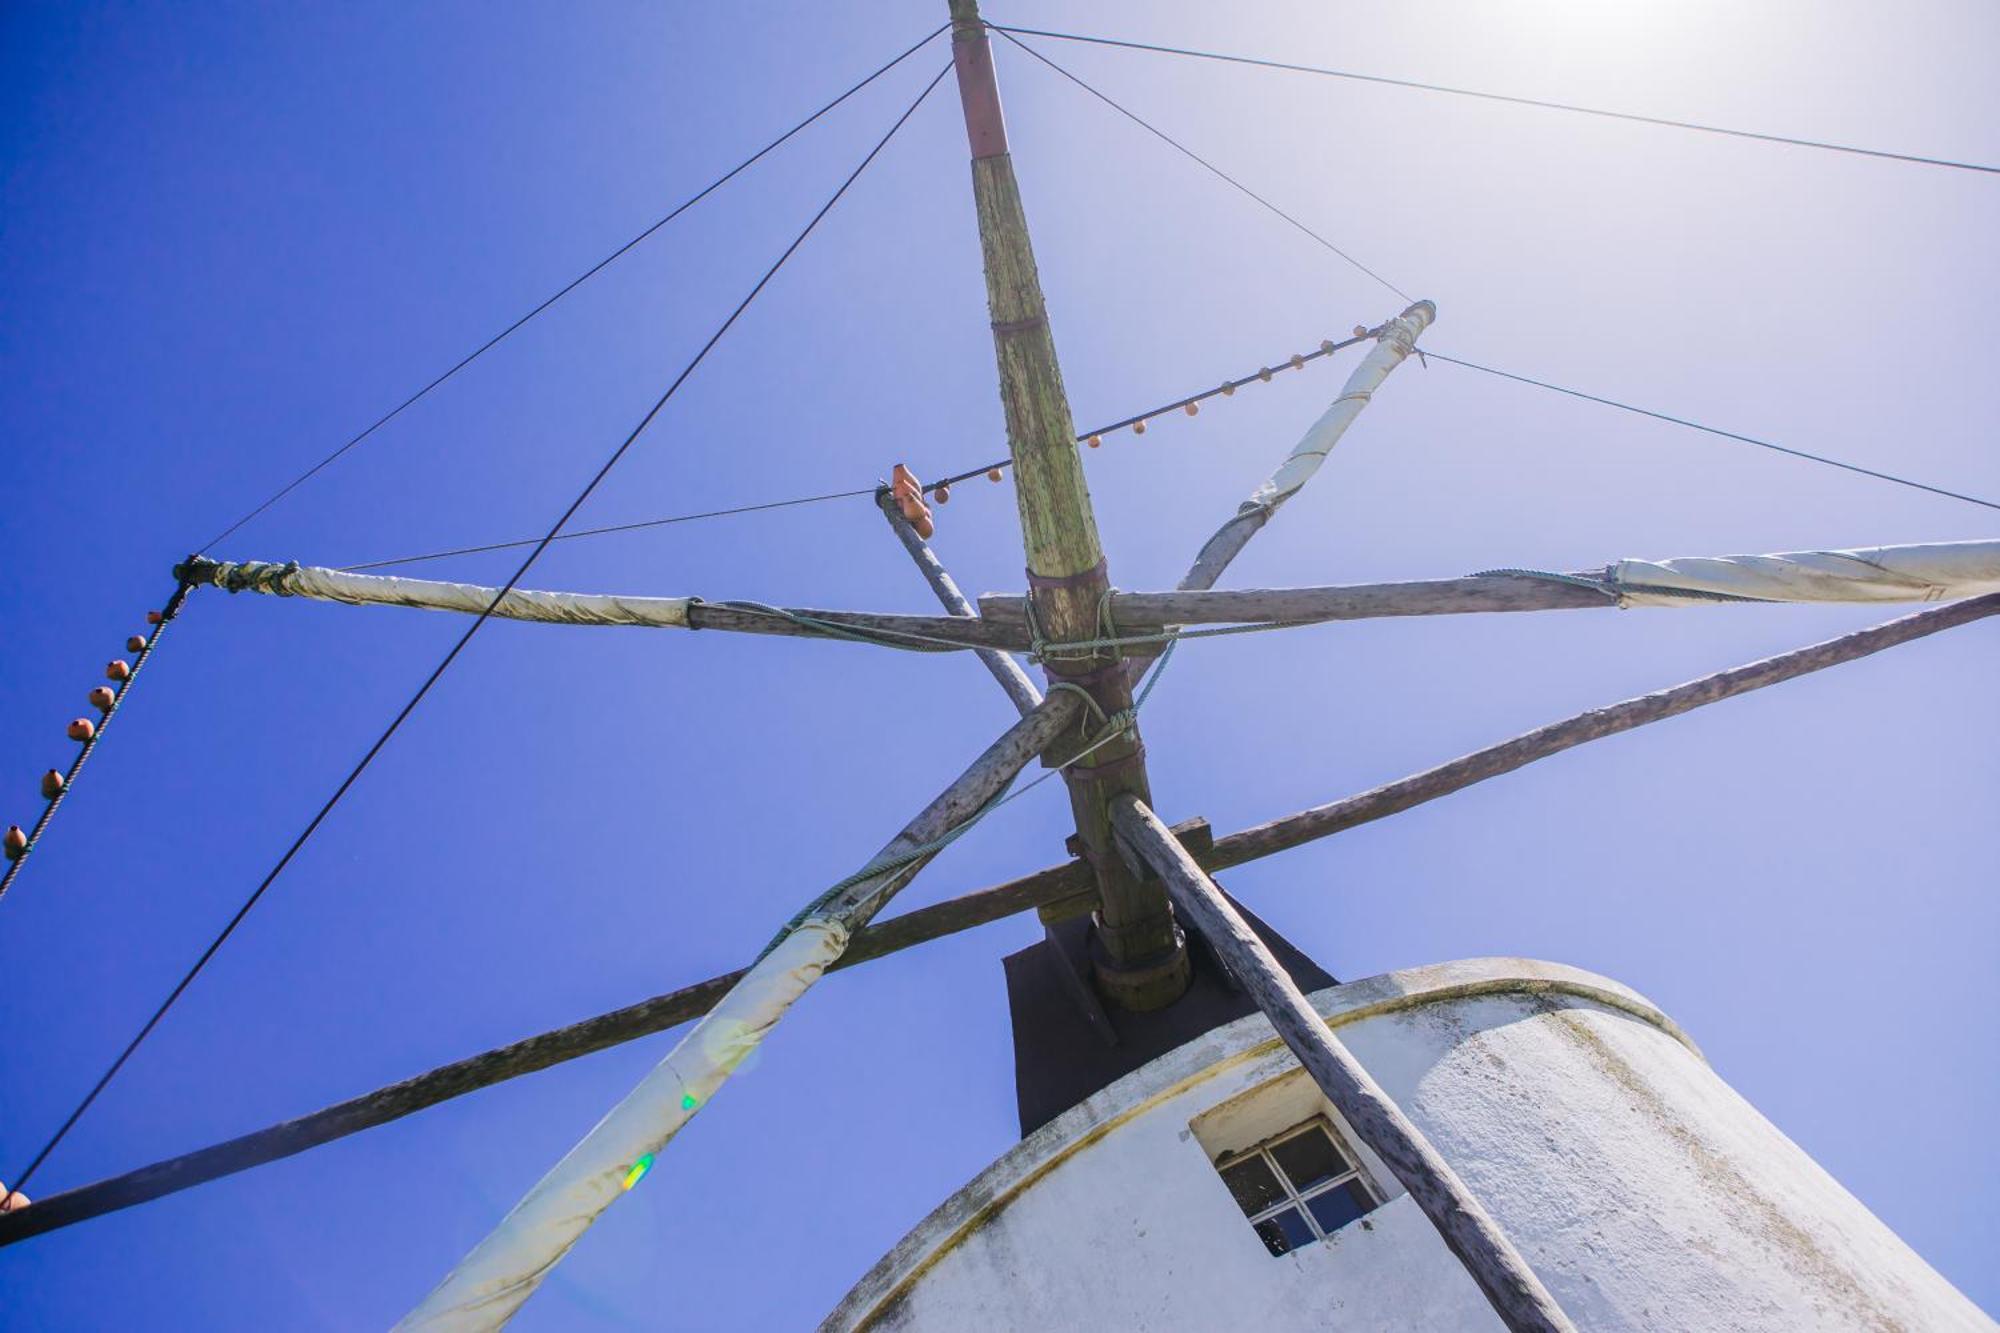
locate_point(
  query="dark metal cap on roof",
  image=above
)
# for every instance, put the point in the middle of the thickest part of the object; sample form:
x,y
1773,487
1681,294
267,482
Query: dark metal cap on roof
x,y
1068,1045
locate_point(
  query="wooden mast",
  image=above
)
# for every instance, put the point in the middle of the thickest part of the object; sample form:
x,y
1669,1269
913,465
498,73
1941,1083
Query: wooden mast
x,y
1142,961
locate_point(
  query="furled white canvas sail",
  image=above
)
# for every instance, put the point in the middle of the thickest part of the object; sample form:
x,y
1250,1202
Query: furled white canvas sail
x,y
1925,572
502,1272
1392,346
505,1268
334,585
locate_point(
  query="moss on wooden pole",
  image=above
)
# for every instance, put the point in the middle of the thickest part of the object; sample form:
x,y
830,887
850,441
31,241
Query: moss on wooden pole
x,y
1142,961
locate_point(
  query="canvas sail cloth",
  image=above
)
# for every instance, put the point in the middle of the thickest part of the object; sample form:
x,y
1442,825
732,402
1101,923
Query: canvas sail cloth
x,y
334,585
1926,572
492,1282
1392,346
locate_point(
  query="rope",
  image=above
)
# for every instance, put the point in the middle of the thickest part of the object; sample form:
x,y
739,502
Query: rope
x,y
1617,590
1714,430
21,1178
907,640
1193,156
83,753
1039,649
1222,390
599,532
1500,97
571,286
1604,586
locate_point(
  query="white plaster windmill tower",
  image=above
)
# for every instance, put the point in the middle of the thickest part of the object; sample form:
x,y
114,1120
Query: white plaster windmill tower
x,y
1215,1133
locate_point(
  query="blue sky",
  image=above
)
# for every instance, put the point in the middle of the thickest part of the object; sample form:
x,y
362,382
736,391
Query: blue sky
x,y
234,234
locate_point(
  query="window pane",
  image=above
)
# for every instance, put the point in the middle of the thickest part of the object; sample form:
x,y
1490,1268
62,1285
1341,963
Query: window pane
x,y
1254,1185
1309,1158
1339,1206
1284,1232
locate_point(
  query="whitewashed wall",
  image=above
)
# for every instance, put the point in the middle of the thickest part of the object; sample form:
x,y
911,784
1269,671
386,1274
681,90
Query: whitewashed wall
x,y
1646,1193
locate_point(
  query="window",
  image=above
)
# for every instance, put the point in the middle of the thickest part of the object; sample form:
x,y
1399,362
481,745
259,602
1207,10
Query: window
x,y
1296,1188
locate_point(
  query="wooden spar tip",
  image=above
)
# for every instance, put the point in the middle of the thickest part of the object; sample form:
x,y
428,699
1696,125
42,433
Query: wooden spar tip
x,y
978,86
908,493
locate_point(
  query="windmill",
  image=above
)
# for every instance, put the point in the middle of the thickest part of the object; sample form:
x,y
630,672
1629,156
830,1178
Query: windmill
x,y
1155,919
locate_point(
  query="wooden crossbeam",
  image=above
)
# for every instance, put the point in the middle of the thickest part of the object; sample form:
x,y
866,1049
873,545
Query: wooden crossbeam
x,y
1046,886
1140,612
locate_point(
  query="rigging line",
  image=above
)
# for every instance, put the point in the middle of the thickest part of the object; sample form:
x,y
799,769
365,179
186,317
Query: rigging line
x,y
573,284
1428,354
1574,393
1227,387
1223,390
1189,153
1503,97
616,527
21,1179
139,660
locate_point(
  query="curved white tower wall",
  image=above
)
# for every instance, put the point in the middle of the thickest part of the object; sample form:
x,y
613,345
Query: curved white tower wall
x,y
1646,1193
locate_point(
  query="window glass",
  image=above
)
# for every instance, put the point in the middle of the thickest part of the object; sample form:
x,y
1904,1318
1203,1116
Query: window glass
x,y
1254,1185
1298,1187
1340,1205
1309,1158
1284,1232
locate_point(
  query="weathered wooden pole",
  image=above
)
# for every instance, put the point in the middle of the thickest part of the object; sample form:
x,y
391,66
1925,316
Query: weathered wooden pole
x,y
1004,669
1141,959
1505,1278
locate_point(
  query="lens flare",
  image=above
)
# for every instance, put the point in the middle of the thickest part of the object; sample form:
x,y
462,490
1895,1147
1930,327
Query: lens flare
x,y
638,1171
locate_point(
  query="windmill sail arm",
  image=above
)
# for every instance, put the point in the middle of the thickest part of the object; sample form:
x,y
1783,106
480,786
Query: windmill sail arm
x,y
1929,572
503,1271
928,633
1392,346
334,585
1924,572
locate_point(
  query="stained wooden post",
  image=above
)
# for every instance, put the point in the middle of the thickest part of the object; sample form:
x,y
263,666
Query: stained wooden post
x,y
1142,961
1514,1291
